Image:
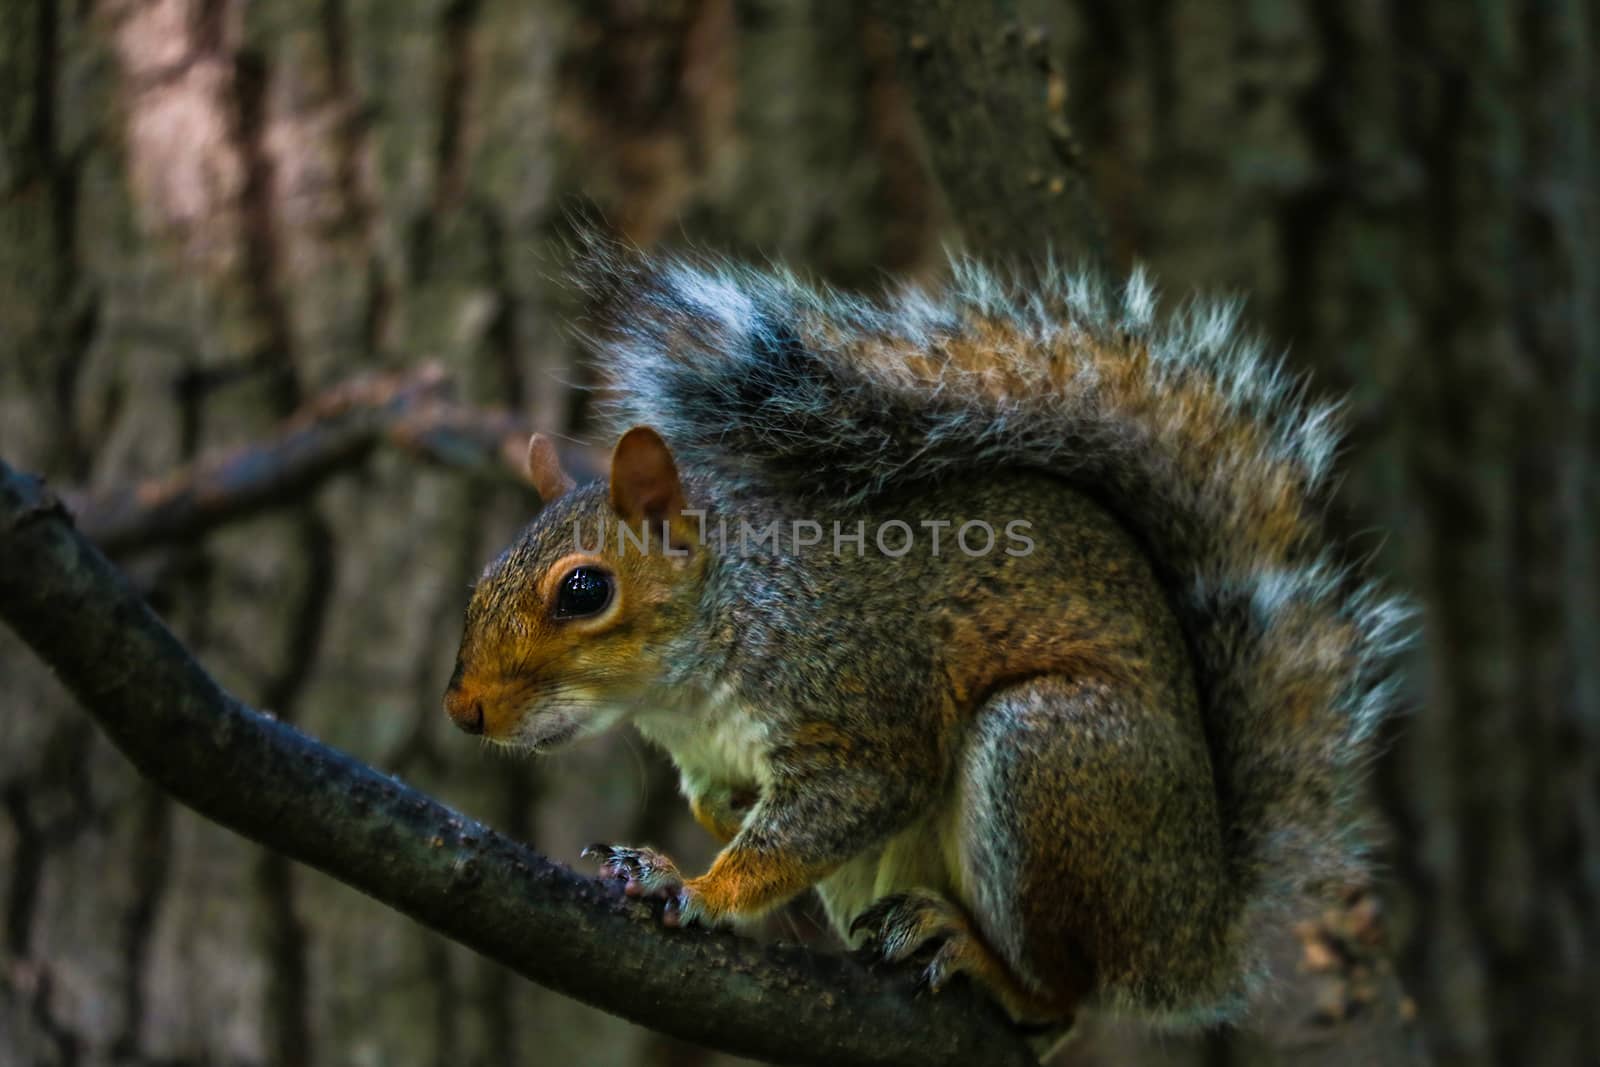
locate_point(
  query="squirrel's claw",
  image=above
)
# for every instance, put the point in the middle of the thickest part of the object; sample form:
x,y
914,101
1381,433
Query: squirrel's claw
x,y
945,965
677,911
869,924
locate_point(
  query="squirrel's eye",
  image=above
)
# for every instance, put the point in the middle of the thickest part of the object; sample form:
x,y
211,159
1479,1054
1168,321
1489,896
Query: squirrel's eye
x,y
584,591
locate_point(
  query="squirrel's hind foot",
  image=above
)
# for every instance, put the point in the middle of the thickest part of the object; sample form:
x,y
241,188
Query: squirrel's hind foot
x,y
896,927
915,923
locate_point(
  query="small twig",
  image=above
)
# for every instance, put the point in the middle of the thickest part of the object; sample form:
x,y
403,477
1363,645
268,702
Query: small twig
x,y
336,431
272,783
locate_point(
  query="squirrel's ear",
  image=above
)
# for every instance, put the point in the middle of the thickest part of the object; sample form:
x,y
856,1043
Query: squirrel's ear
x,y
543,468
644,480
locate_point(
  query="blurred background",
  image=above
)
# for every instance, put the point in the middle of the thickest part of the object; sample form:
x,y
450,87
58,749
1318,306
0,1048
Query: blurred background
x,y
214,211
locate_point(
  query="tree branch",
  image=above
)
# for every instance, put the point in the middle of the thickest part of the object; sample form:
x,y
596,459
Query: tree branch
x,y
337,430
275,785
992,99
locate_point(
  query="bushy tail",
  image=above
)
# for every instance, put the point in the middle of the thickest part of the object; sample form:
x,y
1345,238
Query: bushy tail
x,y
1206,450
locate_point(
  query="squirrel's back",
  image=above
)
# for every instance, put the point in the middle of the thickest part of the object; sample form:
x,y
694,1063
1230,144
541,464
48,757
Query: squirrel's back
x,y
1016,573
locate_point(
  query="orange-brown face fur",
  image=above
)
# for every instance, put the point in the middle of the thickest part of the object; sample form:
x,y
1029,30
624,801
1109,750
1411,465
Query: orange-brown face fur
x,y
527,676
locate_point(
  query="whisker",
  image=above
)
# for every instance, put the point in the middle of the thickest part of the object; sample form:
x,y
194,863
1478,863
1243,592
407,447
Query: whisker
x,y
529,667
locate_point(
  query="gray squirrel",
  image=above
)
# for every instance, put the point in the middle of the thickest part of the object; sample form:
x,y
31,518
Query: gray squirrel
x,y
1091,772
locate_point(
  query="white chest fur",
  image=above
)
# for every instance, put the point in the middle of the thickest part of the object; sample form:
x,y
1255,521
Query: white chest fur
x,y
714,739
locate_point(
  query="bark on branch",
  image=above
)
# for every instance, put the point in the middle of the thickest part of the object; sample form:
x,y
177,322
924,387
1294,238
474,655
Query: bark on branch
x,y
275,785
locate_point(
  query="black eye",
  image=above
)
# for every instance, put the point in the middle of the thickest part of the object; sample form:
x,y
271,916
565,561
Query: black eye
x,y
584,591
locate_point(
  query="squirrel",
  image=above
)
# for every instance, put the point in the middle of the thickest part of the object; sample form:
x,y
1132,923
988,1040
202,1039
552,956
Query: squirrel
x,y
1000,615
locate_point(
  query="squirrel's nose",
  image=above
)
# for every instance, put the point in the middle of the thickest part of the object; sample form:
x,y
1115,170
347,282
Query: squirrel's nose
x,y
464,712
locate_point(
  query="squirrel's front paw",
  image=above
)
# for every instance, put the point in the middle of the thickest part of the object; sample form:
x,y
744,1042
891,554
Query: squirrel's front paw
x,y
650,875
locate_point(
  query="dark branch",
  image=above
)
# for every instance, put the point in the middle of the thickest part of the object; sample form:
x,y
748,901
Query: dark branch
x,y
334,432
272,783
